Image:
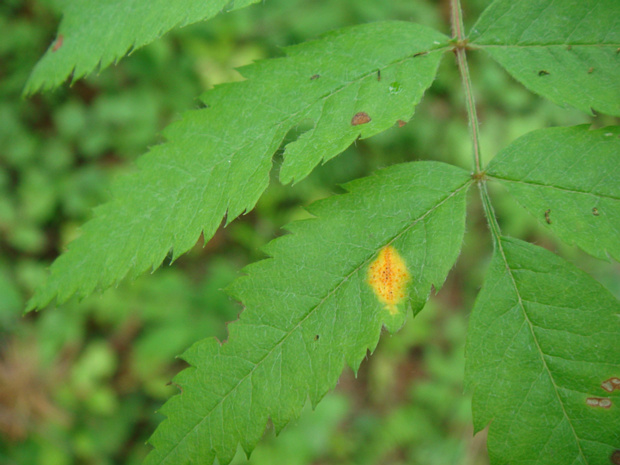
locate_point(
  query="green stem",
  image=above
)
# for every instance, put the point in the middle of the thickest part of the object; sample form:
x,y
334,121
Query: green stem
x,y
460,46
489,212
456,20
461,59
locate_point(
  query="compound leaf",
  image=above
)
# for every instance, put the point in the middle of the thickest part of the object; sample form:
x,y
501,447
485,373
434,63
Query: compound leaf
x,y
217,160
543,356
564,51
568,178
311,307
96,33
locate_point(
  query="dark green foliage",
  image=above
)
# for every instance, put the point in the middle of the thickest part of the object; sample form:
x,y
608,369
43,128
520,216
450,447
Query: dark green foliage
x,y
185,187
542,345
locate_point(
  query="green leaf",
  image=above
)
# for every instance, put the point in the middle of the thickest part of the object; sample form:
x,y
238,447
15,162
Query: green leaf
x,y
567,52
386,95
96,33
310,308
218,159
543,343
568,178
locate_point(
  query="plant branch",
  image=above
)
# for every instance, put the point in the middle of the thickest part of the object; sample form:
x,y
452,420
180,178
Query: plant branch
x,y
460,47
461,59
456,20
489,212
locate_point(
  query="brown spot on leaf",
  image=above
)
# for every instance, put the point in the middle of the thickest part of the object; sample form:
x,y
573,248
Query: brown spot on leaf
x,y
360,118
420,54
316,338
615,457
543,72
611,384
401,123
58,42
569,47
378,75
548,216
591,70
595,211
601,402
315,77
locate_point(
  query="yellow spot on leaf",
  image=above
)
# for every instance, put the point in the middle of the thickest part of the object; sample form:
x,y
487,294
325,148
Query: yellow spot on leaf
x,y
388,277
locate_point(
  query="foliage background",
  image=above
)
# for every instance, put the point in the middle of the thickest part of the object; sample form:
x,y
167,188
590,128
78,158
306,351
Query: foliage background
x,y
81,383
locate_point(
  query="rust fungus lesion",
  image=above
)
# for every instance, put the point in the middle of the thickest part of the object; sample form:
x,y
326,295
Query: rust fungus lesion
x,y
388,277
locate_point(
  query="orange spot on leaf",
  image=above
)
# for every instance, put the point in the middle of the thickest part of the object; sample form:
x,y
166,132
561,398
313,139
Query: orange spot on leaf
x,y
360,118
388,277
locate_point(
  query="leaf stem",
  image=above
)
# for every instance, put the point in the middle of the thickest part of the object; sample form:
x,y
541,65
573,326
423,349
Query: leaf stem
x,y
489,213
461,59
460,46
456,20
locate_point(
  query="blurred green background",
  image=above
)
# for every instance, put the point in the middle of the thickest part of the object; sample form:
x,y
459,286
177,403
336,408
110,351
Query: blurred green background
x,y
80,384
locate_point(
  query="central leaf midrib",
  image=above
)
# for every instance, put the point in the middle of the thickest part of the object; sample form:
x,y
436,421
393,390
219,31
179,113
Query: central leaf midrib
x,y
539,349
561,188
313,309
562,44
